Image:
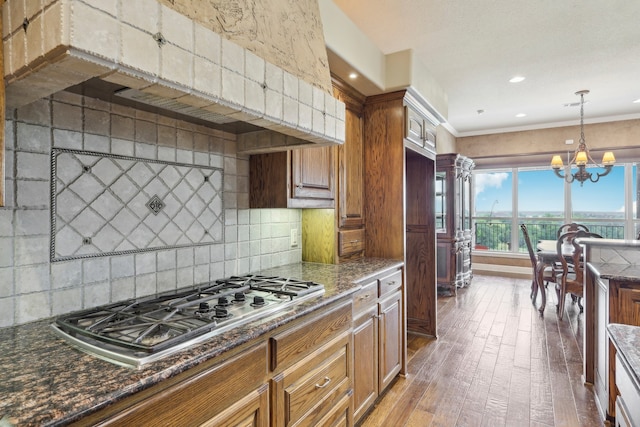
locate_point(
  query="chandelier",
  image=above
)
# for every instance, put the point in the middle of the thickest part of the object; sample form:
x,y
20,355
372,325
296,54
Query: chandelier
x,y
581,158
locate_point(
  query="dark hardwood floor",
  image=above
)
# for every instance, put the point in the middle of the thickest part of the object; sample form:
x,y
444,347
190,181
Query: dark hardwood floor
x,y
496,362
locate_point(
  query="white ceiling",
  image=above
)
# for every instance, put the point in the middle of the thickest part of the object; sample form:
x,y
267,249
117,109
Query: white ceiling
x,y
473,47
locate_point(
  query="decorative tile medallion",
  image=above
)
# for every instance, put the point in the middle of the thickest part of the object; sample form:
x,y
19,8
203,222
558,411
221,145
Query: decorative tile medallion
x,y
105,204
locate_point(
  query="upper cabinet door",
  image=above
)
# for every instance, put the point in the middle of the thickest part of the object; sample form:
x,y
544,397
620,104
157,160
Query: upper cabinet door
x,y
312,173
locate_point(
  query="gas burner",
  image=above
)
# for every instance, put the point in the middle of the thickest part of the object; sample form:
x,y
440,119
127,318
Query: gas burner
x,y
136,332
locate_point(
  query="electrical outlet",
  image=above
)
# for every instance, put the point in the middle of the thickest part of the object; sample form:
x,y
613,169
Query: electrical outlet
x,y
294,237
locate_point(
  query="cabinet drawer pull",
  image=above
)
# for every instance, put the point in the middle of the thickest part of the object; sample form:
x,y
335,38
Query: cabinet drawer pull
x,y
391,283
327,380
299,185
354,241
365,296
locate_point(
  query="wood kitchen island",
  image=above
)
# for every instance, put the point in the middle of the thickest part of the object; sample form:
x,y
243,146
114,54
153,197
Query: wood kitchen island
x,y
47,382
612,295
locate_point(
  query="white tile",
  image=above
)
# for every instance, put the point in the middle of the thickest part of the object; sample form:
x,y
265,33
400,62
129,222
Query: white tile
x,y
109,6
207,77
66,274
145,263
122,266
67,139
32,307
232,87
170,56
304,117
31,250
33,194
254,97
96,294
139,50
34,278
6,252
166,260
6,282
317,121
166,280
254,67
167,154
290,86
145,284
123,289
208,44
184,277
94,31
98,143
33,138
64,301
31,222
232,57
201,274
177,29
273,104
122,147
95,270
290,111
142,14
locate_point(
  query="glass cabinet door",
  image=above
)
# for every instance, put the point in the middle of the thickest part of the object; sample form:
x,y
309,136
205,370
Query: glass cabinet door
x,y
466,201
441,202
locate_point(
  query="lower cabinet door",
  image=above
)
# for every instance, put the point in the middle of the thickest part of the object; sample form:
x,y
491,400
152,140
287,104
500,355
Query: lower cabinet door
x,y
390,330
307,391
252,411
365,355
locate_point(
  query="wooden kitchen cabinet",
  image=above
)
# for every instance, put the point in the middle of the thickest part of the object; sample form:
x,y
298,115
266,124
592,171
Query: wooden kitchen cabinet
x,y
340,235
453,220
378,339
614,301
235,392
399,199
302,178
312,369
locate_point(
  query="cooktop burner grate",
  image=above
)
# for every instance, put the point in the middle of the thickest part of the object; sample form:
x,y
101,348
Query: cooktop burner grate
x,y
139,329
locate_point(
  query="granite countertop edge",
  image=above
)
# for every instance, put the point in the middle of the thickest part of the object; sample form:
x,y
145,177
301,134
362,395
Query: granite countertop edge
x,y
611,271
48,382
626,339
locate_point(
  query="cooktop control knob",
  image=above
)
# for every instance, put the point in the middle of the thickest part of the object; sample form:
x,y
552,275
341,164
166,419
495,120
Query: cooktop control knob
x,y
258,300
223,301
238,296
203,307
221,312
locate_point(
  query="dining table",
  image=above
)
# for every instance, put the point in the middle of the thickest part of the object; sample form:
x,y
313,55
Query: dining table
x,y
547,254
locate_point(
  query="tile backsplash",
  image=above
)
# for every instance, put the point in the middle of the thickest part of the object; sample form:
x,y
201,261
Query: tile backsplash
x,y
32,287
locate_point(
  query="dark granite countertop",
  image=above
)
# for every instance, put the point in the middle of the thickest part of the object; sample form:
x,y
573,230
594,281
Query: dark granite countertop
x,y
626,272
626,338
45,381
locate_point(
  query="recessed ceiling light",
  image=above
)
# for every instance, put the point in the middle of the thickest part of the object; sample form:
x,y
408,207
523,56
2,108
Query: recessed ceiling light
x,y
353,75
521,115
637,101
516,79
480,111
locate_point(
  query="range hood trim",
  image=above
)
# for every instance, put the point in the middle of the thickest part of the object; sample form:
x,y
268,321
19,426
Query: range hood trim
x,y
277,102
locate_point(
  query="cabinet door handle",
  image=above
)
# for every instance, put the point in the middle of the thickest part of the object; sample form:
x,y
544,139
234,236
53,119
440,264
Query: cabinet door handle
x,y
327,380
299,185
354,241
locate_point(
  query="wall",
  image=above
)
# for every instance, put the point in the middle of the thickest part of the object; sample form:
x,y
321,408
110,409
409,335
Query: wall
x,y
622,137
32,287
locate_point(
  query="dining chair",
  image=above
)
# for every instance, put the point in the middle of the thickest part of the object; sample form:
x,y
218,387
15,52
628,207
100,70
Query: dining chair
x,y
572,226
548,274
570,275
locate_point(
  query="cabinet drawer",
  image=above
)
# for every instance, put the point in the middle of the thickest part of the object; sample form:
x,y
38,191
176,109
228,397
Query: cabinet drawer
x,y
390,283
350,241
629,394
309,390
365,297
295,343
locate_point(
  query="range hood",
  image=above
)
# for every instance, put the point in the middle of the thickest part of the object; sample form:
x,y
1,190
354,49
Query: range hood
x,y
167,63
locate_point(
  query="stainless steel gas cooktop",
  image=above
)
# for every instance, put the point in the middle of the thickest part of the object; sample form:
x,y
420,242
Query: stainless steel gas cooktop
x,y
135,332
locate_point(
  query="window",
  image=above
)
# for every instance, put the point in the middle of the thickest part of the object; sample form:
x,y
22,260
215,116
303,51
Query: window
x,y
492,209
536,197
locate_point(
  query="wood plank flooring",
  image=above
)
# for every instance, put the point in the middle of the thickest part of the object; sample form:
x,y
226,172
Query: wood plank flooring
x,y
496,362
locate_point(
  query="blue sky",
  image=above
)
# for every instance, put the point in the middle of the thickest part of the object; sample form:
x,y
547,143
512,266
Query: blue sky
x,y
542,191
